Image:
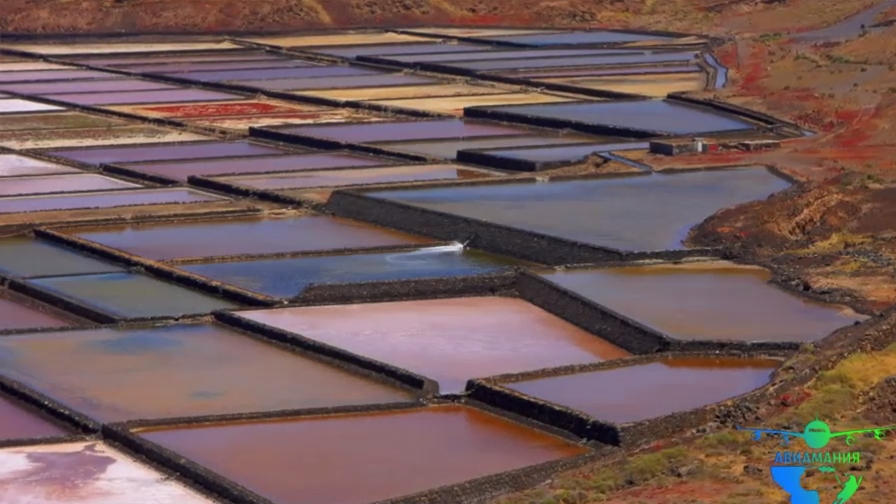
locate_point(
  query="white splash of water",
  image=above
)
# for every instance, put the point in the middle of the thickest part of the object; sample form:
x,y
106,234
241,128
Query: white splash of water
x,y
453,247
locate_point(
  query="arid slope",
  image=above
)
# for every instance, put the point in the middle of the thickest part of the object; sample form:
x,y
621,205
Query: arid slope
x,y
705,16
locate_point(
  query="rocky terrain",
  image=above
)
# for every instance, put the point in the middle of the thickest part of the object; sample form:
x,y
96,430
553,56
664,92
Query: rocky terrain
x,y
705,16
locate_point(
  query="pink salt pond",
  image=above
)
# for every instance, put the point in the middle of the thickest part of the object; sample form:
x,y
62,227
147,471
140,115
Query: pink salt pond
x,y
17,422
448,340
61,184
14,165
362,458
181,170
103,199
335,178
151,96
15,315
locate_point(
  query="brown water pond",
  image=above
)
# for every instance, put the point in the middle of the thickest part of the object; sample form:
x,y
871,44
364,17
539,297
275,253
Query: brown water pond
x,y
387,455
707,301
643,391
179,370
